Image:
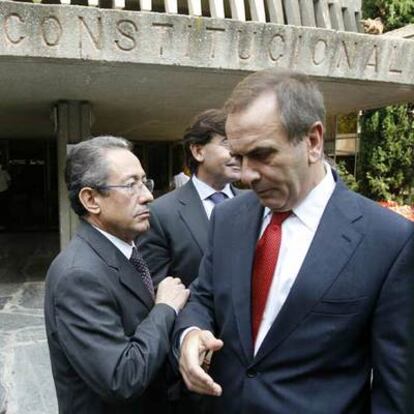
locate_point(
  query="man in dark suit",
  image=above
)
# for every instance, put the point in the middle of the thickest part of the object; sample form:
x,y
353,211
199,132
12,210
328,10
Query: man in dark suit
x,y
108,333
177,238
304,292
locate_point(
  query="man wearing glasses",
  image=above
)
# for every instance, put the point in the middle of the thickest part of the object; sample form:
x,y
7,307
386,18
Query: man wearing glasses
x,y
108,332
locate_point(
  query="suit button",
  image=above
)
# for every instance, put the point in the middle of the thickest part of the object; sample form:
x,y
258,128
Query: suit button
x,y
251,373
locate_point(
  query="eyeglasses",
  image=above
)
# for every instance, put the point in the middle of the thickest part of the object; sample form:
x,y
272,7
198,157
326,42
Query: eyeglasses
x,y
134,187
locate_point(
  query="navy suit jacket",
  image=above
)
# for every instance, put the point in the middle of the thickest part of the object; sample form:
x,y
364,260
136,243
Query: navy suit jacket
x,y
345,318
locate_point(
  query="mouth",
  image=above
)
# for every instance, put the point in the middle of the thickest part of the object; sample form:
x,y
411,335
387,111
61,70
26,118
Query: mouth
x,y
233,165
143,214
262,192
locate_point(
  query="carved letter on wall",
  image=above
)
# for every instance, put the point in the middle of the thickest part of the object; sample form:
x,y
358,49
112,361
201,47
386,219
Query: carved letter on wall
x,y
344,53
393,61
214,32
165,36
277,47
51,31
319,52
96,38
127,30
245,44
373,59
11,21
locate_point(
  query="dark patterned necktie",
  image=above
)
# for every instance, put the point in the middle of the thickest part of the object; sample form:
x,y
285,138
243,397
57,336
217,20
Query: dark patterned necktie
x,y
139,263
265,260
218,197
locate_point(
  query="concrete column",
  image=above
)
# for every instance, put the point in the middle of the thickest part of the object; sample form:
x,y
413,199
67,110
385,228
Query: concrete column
x,y
72,124
330,136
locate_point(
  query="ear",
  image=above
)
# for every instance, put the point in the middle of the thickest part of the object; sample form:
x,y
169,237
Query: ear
x,y
198,152
90,200
315,142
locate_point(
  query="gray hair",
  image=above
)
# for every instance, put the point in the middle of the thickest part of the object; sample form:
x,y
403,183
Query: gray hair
x,y
86,166
299,100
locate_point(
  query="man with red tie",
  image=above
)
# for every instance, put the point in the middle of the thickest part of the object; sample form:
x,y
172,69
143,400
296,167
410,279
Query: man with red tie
x,y
303,294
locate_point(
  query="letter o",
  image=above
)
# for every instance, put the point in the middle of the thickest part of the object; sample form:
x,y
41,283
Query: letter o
x,y
51,31
319,52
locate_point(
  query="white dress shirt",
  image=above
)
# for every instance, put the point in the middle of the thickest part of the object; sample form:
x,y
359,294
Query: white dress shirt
x,y
298,231
124,247
205,191
126,250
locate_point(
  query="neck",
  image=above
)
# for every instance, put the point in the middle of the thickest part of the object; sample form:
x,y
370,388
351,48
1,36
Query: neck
x,y
94,221
318,172
211,181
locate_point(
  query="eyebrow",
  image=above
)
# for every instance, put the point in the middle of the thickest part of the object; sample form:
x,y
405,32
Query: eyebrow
x,y
136,177
256,151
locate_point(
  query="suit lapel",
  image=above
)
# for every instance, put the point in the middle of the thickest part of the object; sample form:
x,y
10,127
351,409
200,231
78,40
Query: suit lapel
x,y
333,245
193,214
110,254
245,234
132,280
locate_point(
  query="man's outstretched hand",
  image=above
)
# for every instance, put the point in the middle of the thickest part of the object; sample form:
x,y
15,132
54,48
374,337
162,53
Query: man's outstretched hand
x,y
195,354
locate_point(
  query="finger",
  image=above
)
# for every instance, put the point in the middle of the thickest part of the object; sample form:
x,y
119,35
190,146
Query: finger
x,y
210,342
198,381
196,378
207,361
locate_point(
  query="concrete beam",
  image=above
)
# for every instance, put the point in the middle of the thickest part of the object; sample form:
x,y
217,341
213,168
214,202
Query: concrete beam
x,y
147,74
406,32
73,33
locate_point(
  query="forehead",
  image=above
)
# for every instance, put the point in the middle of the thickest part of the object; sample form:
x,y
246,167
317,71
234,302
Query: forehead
x,y
122,163
217,138
258,124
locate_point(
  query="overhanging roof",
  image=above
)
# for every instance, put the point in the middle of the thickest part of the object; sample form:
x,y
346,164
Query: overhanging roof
x,y
147,74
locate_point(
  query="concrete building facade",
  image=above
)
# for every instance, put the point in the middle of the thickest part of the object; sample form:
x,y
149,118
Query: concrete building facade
x,y
142,69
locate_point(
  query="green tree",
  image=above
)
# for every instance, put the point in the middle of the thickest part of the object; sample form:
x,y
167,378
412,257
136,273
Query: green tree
x,y
386,157
393,13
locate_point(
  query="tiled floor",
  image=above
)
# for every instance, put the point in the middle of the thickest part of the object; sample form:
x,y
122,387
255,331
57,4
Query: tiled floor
x,y
26,384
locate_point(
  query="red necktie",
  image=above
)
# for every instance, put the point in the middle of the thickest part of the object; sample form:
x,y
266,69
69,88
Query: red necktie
x,y
265,260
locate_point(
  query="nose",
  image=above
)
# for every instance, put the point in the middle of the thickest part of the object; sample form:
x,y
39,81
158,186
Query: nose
x,y
249,173
145,196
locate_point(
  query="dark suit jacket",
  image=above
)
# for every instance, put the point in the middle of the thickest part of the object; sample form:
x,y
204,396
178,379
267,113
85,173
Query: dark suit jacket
x,y
175,243
106,338
347,313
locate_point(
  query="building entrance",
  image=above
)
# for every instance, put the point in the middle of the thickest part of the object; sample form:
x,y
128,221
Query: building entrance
x,y
31,201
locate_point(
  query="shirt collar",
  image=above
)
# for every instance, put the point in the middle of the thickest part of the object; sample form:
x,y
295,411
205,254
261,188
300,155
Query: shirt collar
x,y
310,210
124,247
205,191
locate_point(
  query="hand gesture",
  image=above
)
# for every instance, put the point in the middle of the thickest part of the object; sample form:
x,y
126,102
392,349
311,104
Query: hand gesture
x,y
195,354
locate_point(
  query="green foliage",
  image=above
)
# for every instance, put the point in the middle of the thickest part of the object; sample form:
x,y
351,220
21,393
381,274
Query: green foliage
x,y
347,124
386,158
346,176
393,13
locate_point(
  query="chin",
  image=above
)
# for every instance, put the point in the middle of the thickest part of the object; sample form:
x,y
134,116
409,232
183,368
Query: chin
x,y
143,227
274,205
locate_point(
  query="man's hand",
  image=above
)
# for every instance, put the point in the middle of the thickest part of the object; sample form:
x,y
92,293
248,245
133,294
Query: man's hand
x,y
195,353
172,292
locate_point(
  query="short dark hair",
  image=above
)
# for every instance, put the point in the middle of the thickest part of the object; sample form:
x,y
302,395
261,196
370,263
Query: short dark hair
x,y
299,100
86,166
203,127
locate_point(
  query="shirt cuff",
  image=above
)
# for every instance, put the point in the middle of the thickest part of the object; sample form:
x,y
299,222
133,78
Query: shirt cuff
x,y
186,332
